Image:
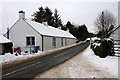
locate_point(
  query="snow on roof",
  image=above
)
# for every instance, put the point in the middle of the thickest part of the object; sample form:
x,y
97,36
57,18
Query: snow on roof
x,y
4,39
48,30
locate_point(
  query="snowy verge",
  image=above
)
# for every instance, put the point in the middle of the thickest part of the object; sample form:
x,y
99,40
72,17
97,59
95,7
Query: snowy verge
x,y
110,63
83,65
9,58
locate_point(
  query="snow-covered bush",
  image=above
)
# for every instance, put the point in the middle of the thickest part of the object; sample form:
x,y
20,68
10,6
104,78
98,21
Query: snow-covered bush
x,y
102,48
95,42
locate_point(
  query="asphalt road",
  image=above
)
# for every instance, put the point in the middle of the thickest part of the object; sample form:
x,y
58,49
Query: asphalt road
x,y
30,68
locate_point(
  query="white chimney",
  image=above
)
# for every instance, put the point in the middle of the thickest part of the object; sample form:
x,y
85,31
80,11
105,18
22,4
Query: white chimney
x,y
21,14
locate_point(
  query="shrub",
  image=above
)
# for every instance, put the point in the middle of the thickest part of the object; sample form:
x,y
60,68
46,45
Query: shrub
x,y
104,49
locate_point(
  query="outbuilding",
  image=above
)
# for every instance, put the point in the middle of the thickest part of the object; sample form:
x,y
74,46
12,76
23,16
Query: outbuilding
x,y
25,33
5,45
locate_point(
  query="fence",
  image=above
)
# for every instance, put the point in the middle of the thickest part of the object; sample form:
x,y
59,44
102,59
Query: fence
x,y
116,46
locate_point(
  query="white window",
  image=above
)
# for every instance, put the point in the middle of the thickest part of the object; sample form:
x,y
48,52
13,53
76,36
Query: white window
x,y
61,41
30,40
54,42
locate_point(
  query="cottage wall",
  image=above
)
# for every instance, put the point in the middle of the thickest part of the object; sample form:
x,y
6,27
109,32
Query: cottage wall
x,y
58,42
70,41
64,42
47,43
20,31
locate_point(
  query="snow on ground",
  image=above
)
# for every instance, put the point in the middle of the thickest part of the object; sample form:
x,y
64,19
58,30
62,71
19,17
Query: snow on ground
x,y
84,65
110,63
8,57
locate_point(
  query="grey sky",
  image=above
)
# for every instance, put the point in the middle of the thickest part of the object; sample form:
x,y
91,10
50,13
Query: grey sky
x,y
75,11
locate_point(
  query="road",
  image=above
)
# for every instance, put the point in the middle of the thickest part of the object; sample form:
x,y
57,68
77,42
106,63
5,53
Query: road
x,y
30,68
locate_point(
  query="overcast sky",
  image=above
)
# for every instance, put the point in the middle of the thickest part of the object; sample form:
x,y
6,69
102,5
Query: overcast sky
x,y
78,12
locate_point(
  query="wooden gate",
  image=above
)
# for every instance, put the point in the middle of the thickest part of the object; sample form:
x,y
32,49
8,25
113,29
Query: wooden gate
x,y
116,47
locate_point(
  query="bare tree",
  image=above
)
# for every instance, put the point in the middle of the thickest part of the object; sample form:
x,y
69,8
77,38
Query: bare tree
x,y
105,23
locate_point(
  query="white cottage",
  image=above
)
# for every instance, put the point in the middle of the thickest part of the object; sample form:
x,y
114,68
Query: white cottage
x,y
46,37
5,45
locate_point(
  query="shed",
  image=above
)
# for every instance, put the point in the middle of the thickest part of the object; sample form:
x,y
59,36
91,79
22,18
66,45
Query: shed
x,y
5,45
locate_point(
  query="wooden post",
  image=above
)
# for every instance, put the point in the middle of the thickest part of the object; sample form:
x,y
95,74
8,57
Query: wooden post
x,y
112,48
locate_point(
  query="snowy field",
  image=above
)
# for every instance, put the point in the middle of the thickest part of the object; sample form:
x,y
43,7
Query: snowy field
x,y
84,65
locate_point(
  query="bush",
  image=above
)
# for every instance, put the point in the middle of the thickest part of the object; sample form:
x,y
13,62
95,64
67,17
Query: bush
x,y
107,46
96,50
104,49
102,52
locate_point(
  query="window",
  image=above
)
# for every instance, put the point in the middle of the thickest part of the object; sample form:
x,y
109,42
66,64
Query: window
x,y
65,42
54,42
30,40
61,41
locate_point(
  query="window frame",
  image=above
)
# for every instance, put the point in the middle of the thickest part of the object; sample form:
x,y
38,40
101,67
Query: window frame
x,y
62,42
65,42
28,40
54,41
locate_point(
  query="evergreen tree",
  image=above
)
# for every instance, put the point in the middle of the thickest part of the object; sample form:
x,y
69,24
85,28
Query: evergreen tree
x,y
43,15
81,32
57,20
46,15
39,15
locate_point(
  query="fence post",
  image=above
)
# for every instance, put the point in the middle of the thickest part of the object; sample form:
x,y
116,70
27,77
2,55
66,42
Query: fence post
x,y
113,53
